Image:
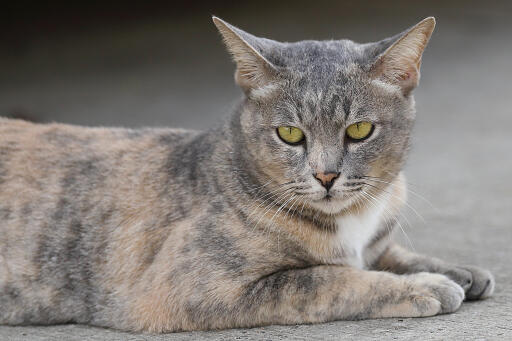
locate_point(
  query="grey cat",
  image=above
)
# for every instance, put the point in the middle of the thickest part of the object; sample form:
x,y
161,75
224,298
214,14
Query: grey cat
x,y
281,215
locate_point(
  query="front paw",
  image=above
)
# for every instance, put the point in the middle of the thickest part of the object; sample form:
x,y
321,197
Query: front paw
x,y
448,294
476,282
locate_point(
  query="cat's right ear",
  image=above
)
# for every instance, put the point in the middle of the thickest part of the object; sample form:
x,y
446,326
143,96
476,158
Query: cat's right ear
x,y
252,69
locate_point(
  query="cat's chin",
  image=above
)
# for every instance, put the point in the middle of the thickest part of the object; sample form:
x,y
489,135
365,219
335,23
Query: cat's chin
x,y
330,205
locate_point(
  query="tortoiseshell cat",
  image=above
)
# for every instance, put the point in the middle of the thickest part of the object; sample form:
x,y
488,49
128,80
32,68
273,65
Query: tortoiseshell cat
x,y
281,215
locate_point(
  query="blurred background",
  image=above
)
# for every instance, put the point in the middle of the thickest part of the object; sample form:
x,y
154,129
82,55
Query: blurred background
x,y
163,64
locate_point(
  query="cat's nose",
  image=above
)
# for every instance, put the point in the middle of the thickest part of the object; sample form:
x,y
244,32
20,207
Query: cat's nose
x,y
326,178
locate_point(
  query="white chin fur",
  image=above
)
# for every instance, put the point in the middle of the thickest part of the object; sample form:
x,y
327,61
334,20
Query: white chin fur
x,y
333,206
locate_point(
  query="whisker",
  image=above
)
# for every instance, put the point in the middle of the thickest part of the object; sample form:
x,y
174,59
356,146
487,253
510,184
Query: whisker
x,y
399,212
289,208
402,200
271,223
352,189
269,196
268,207
305,192
303,204
372,178
281,207
375,202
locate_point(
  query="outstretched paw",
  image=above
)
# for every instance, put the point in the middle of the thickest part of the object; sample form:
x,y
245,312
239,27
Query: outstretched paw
x,y
446,292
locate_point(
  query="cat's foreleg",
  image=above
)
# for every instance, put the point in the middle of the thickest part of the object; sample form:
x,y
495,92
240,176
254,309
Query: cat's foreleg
x,y
296,296
329,292
477,283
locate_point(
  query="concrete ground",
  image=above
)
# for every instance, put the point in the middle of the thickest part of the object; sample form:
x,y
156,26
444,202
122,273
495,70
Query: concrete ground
x,y
459,169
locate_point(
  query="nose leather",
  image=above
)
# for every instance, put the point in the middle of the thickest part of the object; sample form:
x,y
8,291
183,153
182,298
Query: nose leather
x,y
326,179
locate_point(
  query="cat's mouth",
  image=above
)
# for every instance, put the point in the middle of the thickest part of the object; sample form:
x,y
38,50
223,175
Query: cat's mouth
x,y
335,202
327,199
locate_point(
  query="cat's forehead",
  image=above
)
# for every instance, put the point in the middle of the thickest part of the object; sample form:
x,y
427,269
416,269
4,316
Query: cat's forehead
x,y
318,68
308,55
326,82
344,94
318,108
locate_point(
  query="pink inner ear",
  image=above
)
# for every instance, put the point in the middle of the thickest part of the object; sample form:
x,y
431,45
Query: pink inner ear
x,y
405,76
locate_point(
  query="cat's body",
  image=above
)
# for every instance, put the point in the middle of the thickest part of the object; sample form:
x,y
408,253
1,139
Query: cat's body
x,y
165,230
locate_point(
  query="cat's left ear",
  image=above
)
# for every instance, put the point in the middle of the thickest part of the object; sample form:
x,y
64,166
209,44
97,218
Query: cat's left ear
x,y
400,63
253,70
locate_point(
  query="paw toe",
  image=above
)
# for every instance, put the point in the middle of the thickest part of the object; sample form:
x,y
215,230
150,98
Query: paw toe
x,y
481,290
461,276
451,297
482,286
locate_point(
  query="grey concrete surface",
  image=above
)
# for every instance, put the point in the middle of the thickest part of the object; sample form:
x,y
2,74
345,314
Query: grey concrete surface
x,y
460,164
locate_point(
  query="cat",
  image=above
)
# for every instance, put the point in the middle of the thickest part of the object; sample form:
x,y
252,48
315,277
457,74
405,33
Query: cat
x,y
282,214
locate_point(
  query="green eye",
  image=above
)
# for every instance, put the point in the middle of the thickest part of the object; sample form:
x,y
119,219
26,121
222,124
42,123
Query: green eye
x,y
359,130
290,135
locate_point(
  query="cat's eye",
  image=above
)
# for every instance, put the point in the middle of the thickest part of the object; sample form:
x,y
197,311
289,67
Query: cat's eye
x,y
359,131
291,135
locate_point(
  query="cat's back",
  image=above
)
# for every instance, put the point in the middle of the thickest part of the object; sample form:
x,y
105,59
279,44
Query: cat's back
x,y
24,144
20,134
55,165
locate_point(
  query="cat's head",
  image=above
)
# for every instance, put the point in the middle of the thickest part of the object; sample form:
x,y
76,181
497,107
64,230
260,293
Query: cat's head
x,y
332,117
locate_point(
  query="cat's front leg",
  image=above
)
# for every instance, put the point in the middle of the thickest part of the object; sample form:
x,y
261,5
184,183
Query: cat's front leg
x,y
329,292
477,283
295,296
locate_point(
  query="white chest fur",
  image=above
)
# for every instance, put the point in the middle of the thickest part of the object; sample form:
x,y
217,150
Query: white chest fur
x,y
355,231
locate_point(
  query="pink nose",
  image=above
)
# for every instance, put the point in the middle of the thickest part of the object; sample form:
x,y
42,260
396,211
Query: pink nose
x,y
326,179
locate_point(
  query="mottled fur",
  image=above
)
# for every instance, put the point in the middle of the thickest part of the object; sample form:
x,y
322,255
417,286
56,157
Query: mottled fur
x,y
165,230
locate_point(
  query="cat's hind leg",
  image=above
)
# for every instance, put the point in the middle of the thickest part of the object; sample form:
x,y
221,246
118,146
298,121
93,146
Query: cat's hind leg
x,y
24,306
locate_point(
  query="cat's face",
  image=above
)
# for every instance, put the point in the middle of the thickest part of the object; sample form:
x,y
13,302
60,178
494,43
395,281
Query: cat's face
x,y
326,117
